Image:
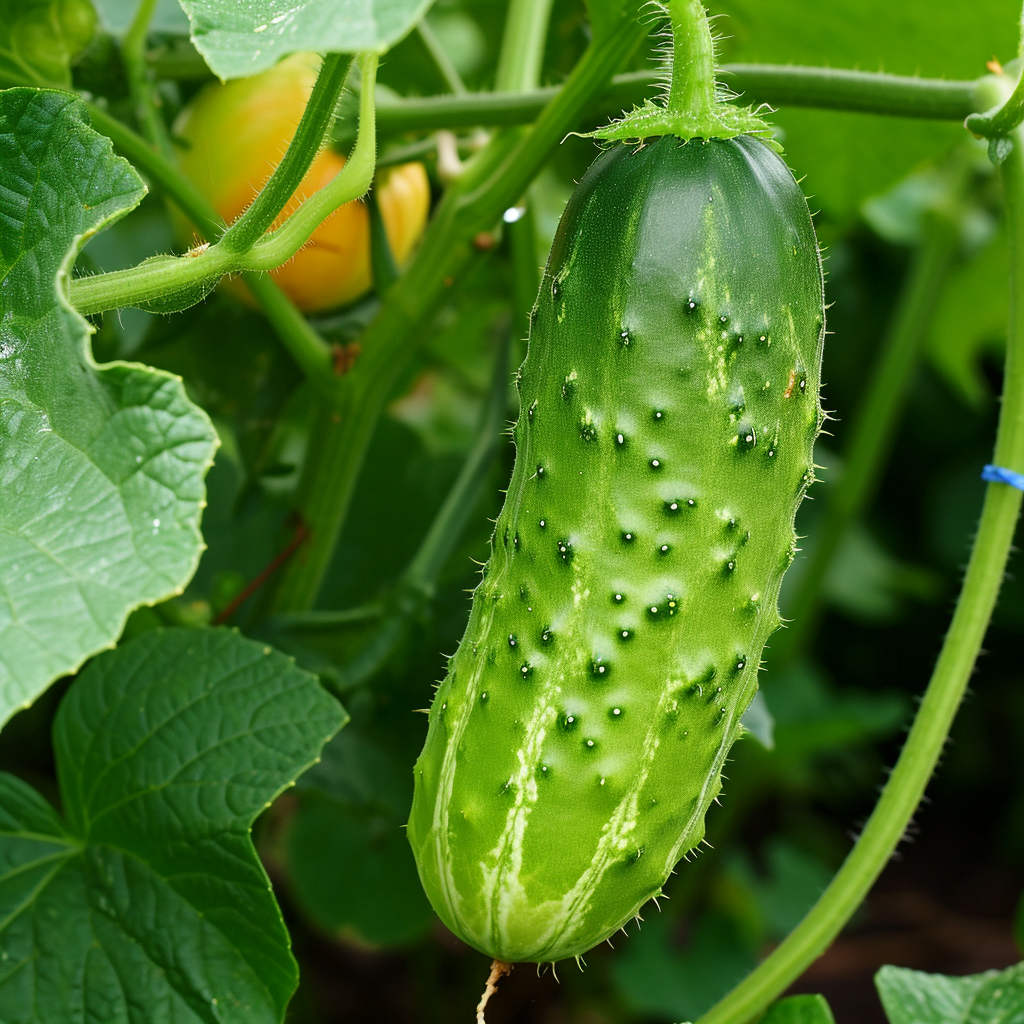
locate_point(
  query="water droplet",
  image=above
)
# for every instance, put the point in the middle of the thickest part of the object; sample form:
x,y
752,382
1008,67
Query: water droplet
x,y
690,305
671,507
625,634
658,415
544,769
599,668
565,551
543,523
741,663
655,464
628,537
724,318
615,714
620,440
515,540
545,636
556,289
512,641
540,472
590,744
664,549
569,723
525,670
618,598
625,338
730,566
484,697
532,411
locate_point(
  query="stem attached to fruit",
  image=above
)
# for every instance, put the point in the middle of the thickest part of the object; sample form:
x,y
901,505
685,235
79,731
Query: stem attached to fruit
x,y
924,744
692,82
309,137
154,280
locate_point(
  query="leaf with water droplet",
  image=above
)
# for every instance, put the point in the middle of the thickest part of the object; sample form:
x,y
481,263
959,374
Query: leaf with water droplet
x,y
89,452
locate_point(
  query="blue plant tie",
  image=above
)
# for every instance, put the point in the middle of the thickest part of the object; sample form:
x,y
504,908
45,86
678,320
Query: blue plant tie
x,y
998,475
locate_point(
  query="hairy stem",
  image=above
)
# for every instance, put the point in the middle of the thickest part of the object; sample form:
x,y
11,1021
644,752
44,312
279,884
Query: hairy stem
x,y
154,280
692,84
924,744
309,137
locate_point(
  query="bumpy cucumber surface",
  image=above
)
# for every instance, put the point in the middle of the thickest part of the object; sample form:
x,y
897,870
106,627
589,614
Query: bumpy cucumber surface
x,y
669,409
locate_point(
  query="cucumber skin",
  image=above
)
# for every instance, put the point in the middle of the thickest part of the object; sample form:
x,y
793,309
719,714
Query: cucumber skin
x,y
567,767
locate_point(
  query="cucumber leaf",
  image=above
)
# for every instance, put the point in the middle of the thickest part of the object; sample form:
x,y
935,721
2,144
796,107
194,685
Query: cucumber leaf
x,y
914,997
146,901
238,40
101,468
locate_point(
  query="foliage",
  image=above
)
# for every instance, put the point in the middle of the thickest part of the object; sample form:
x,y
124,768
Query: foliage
x,y
339,520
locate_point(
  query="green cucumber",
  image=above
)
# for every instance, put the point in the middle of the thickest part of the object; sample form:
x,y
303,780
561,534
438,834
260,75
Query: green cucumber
x,y
669,410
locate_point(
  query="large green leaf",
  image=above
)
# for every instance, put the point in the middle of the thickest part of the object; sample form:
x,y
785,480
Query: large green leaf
x,y
242,39
847,157
101,468
147,902
40,38
913,997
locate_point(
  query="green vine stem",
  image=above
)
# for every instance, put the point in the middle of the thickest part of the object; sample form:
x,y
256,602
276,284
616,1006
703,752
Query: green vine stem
x,y
418,584
917,760
313,127
492,182
864,92
171,283
694,106
871,435
522,46
133,53
439,58
310,352
1004,117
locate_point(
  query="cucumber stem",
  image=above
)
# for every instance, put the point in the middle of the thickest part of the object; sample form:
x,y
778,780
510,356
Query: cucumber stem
x,y
905,788
693,108
692,84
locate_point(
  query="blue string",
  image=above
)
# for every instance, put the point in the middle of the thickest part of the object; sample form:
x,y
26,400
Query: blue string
x,y
998,475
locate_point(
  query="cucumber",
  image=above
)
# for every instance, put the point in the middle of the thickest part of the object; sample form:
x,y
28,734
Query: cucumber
x,y
669,409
